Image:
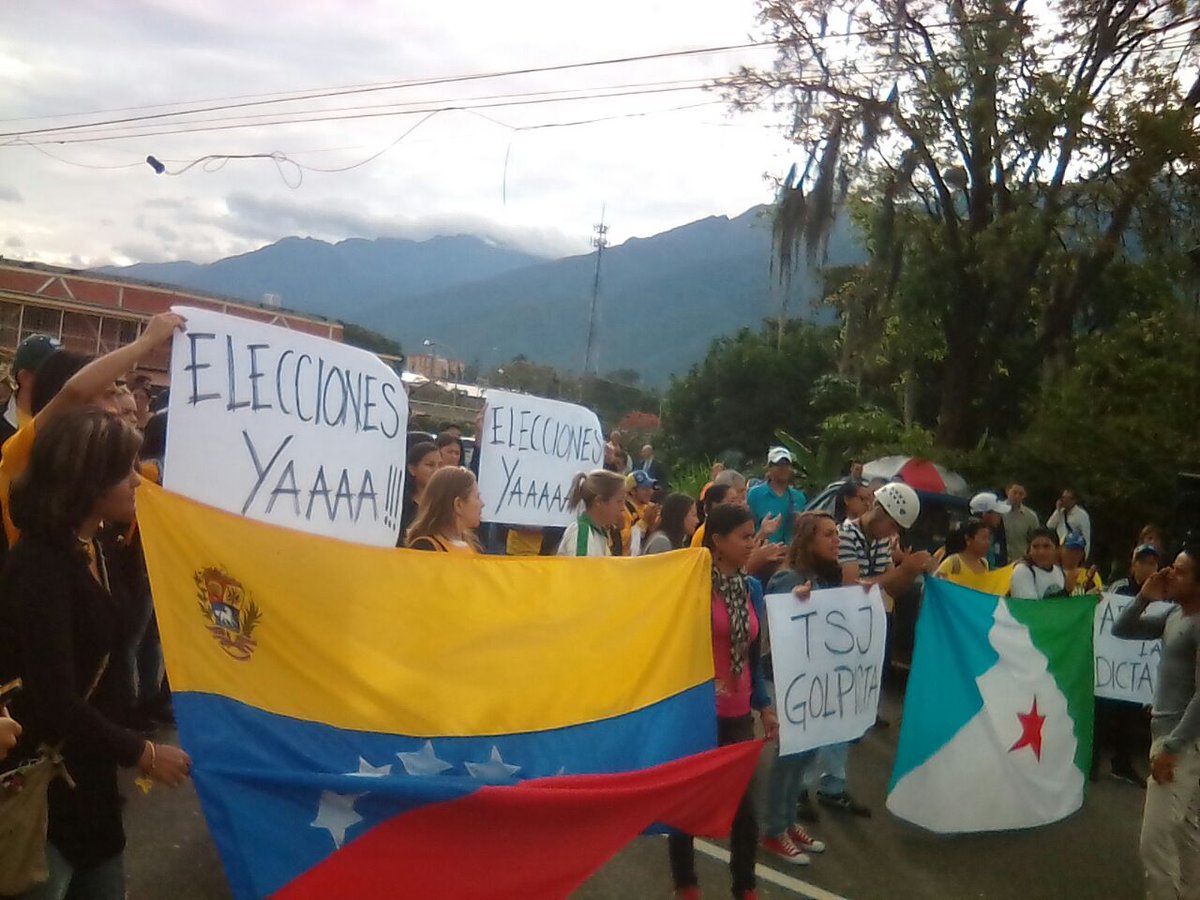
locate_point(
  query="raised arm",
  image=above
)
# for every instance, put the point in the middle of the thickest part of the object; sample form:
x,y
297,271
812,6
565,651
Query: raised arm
x,y
1131,624
90,382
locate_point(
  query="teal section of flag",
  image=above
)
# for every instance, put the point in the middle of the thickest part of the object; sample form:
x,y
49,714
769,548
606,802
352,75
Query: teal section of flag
x,y
997,728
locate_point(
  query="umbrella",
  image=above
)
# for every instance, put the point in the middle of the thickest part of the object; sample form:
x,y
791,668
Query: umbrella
x,y
919,474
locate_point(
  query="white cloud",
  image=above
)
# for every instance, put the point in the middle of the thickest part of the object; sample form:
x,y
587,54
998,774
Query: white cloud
x,y
540,190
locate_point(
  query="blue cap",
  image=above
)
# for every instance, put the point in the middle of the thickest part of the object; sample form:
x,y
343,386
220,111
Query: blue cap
x,y
1146,550
1074,541
641,478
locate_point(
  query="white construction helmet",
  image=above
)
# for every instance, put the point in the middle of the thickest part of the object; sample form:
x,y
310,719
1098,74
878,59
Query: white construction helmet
x,y
900,502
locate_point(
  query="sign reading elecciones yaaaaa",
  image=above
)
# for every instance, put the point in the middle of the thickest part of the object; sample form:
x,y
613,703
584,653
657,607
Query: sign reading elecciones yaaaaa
x,y
286,428
530,450
827,654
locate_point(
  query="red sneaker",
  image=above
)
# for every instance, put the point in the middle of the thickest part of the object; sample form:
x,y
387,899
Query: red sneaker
x,y
687,893
783,847
805,841
747,895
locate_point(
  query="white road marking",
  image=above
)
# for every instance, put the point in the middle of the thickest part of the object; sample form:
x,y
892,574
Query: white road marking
x,y
774,876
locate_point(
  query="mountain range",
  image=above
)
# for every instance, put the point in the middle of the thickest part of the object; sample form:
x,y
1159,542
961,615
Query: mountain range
x,y
662,299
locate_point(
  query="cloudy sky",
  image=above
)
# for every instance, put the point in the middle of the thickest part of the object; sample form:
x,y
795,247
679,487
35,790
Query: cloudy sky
x,y
77,200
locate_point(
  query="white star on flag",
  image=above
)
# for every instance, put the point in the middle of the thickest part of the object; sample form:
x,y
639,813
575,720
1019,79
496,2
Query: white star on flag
x,y
366,770
336,814
495,769
424,762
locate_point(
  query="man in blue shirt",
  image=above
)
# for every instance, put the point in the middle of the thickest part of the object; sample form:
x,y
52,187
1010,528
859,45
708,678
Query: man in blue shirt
x,y
777,497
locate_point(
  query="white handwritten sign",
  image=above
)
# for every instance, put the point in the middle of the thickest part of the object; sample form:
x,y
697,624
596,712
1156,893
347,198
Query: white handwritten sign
x,y
530,450
286,428
1125,670
827,653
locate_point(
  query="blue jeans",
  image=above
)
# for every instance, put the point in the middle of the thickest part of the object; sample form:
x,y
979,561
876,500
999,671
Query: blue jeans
x,y
789,777
831,767
66,882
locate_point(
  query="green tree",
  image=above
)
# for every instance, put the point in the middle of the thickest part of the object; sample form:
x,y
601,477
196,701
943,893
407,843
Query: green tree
x,y
1006,154
1116,428
747,387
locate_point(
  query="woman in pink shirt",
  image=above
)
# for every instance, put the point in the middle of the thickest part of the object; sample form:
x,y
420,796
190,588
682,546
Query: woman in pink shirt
x,y
741,686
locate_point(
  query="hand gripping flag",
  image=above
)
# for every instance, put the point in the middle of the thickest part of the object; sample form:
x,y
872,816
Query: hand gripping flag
x,y
997,729
386,723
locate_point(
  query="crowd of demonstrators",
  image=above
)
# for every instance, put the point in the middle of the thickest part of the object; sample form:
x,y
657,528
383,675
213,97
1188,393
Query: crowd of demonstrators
x,y
1071,518
73,605
1170,839
450,512
738,618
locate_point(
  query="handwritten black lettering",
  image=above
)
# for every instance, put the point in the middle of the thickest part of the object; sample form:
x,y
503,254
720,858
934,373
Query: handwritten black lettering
x,y
259,469
195,367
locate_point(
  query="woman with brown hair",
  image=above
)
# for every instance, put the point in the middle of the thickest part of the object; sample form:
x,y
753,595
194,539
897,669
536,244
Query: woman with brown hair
x,y
423,460
737,622
599,496
450,512
812,564
61,632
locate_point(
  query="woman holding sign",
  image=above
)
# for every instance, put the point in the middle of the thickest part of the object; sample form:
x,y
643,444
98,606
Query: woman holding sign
x,y
450,513
812,565
737,611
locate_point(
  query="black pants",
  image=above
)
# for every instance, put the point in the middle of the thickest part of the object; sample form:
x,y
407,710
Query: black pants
x,y
1122,729
743,838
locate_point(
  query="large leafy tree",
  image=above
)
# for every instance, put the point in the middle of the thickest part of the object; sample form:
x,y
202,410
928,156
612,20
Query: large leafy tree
x,y
1005,154
748,387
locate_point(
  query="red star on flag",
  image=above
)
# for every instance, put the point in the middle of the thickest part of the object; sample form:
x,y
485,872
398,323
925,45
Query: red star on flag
x,y
1031,731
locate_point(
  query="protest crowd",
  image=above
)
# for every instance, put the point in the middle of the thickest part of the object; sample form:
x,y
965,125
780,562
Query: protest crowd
x,y
77,621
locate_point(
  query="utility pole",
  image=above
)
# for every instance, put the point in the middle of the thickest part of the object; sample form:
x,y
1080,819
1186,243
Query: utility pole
x,y
600,241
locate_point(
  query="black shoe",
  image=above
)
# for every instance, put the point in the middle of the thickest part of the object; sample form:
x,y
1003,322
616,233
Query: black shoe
x,y
806,810
844,803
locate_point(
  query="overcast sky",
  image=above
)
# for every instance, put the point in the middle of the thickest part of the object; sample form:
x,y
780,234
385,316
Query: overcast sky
x,y
61,59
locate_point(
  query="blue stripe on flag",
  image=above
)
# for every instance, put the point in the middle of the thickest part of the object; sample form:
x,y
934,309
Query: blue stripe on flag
x,y
952,650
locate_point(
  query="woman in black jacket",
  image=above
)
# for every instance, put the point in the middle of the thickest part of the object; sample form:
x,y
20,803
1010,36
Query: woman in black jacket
x,y
61,631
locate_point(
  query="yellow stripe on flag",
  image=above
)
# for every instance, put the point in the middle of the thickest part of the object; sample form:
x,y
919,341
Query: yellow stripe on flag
x,y
995,582
418,643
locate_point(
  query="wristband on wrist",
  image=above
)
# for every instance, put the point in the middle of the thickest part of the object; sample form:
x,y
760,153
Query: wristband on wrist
x,y
153,756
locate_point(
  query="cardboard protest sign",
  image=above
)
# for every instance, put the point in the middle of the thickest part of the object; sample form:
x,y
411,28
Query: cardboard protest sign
x,y
286,428
827,653
1125,670
530,450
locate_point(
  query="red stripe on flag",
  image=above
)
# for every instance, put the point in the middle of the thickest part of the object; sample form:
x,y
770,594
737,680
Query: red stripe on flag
x,y
541,838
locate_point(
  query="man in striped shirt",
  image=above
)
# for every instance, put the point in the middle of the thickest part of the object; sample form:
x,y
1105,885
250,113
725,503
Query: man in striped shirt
x,y
865,554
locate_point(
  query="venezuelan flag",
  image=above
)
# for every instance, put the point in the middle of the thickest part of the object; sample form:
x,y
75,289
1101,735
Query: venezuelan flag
x,y
387,723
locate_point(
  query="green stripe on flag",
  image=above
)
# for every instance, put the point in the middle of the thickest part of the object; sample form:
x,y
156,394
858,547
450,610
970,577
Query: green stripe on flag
x,y
1061,629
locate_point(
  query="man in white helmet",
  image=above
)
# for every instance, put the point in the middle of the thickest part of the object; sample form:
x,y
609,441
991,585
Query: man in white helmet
x,y
865,554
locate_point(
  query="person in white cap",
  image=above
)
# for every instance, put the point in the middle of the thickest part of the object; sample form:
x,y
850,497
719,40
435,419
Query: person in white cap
x,y
991,510
777,497
865,555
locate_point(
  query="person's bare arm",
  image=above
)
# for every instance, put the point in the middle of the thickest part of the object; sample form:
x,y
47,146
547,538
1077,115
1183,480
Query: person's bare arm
x,y
90,382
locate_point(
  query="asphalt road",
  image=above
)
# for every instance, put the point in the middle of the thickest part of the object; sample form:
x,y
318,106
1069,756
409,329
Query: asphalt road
x,y
1091,855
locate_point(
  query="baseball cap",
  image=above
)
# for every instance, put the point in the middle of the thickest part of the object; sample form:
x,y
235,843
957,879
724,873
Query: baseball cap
x,y
32,352
777,455
643,479
1146,550
986,502
1074,541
